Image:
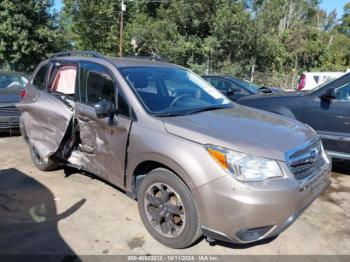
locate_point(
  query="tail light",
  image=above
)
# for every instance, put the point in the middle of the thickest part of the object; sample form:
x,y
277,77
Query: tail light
x,y
23,93
302,82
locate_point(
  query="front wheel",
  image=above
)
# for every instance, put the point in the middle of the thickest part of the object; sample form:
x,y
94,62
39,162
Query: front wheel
x,y
42,164
167,209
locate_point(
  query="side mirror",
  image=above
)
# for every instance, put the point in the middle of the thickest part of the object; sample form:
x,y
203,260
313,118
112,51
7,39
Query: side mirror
x,y
329,95
104,108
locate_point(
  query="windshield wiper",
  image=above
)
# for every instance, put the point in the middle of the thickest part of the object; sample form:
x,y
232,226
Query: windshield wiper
x,y
194,111
208,108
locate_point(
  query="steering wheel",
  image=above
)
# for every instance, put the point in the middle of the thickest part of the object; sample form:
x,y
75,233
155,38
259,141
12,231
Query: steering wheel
x,y
174,102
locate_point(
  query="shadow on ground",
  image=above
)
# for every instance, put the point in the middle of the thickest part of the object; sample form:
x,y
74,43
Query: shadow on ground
x,y
28,217
9,133
341,166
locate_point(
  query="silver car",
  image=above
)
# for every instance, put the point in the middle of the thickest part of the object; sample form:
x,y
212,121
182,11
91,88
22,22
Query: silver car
x,y
197,163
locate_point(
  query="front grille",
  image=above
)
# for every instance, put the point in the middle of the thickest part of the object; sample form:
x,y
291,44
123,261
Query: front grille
x,y
307,160
302,171
9,111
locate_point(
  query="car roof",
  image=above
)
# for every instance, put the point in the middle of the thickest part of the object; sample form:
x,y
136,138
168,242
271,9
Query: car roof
x,y
216,75
120,62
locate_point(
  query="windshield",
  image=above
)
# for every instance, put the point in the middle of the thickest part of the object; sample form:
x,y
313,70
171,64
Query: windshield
x,y
247,85
173,91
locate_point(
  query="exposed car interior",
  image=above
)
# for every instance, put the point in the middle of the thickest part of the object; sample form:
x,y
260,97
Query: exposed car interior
x,y
64,81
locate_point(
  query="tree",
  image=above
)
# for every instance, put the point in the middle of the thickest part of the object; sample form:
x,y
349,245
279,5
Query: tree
x,y
28,33
345,20
92,25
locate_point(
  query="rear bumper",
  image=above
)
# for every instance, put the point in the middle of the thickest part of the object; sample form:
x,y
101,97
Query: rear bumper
x,y
9,122
9,117
243,213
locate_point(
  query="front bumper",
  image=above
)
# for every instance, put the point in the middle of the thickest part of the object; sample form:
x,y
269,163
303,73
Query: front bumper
x,y
247,212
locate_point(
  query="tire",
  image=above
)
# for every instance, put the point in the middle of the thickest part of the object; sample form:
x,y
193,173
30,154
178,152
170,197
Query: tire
x,y
167,209
44,165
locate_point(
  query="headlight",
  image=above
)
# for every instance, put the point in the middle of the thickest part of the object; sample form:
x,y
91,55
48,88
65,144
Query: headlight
x,y
245,167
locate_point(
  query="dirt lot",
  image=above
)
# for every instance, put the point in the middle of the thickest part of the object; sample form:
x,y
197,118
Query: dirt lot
x,y
65,212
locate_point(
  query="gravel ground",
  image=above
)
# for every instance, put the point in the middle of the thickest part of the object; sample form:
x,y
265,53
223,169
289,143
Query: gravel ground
x,y
66,212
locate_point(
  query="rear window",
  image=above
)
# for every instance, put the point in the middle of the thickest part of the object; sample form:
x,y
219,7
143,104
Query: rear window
x,y
7,81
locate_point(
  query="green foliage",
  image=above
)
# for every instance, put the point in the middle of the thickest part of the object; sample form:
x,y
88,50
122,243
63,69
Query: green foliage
x,y
28,33
92,25
277,37
345,21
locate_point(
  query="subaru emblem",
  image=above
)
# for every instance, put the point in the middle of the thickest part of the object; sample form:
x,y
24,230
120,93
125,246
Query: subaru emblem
x,y
314,154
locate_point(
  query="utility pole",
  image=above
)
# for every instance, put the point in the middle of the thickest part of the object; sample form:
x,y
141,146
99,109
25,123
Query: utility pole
x,y
121,32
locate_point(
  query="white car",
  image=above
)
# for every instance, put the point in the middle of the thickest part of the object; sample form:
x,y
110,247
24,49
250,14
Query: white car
x,y
310,80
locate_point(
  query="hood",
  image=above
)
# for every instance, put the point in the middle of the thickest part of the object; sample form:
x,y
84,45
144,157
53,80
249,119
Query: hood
x,y
242,129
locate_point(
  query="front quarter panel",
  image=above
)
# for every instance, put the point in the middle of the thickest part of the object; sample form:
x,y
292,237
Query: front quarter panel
x,y
188,159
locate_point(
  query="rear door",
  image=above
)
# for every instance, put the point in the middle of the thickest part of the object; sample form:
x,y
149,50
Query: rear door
x,y
103,142
331,119
45,116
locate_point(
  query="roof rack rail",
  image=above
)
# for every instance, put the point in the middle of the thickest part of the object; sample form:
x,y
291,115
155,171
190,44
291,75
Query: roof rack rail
x,y
150,56
77,53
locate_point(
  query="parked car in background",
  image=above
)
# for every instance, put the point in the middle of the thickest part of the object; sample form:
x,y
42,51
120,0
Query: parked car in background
x,y
310,80
12,86
235,88
325,108
196,162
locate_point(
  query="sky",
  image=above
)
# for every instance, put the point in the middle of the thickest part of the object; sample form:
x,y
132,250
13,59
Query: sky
x,y
328,5
58,4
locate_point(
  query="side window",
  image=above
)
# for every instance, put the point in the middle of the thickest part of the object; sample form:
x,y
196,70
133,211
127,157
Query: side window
x,y
39,80
238,89
218,84
96,83
343,92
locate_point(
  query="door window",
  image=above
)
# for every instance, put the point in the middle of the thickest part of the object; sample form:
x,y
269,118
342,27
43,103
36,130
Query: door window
x,y
219,84
39,80
96,84
223,86
343,92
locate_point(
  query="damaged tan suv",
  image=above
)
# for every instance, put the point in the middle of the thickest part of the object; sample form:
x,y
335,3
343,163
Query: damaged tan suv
x,y
197,163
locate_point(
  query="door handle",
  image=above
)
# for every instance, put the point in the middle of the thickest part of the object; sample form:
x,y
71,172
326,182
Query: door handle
x,y
83,118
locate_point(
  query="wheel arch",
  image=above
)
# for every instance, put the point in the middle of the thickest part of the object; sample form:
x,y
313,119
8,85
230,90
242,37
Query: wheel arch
x,y
142,168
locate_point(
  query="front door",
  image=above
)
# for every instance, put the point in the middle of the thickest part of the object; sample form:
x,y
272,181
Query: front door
x,y
103,142
331,119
